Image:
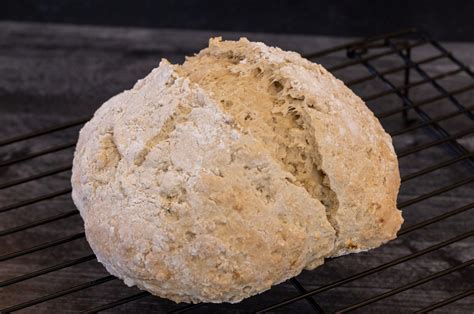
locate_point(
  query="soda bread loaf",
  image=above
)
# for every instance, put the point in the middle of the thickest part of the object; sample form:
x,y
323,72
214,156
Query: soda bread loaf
x,y
213,180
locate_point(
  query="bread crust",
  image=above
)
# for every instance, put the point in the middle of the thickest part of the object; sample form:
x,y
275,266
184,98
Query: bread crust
x,y
182,201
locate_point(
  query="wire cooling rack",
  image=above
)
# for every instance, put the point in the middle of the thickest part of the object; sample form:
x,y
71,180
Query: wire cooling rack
x,y
424,103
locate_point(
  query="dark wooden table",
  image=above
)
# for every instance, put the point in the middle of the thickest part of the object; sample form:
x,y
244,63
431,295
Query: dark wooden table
x,y
58,73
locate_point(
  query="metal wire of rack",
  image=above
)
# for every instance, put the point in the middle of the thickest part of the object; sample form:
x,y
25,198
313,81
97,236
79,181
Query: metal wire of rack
x,y
434,116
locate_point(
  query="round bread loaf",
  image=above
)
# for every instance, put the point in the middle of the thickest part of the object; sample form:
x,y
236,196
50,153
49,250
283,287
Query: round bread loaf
x,y
213,180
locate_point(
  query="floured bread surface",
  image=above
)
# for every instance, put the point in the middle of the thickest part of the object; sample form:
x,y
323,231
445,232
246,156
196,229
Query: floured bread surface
x,y
213,180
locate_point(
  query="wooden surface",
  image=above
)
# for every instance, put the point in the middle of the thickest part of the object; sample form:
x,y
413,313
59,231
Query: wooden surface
x,y
51,74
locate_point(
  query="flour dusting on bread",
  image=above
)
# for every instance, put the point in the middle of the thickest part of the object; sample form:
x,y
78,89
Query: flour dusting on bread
x,y
213,180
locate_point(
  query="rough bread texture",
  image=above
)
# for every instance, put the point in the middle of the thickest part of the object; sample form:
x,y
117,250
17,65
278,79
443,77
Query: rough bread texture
x,y
214,180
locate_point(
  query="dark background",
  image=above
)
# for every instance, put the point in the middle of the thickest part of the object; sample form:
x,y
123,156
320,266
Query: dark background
x,y
446,20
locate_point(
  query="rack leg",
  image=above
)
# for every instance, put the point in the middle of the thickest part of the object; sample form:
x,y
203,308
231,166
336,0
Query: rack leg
x,y
406,90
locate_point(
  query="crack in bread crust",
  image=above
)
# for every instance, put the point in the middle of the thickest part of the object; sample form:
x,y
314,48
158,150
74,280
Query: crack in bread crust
x,y
356,155
261,103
